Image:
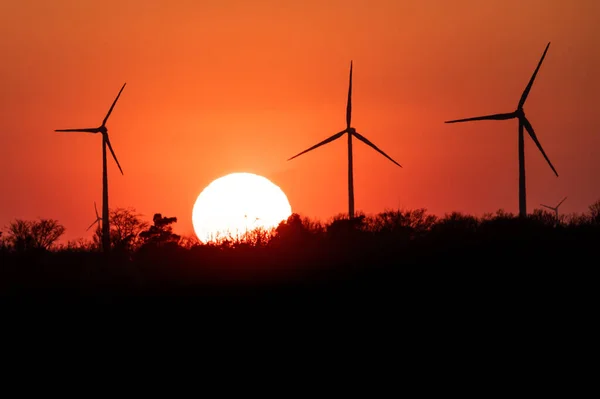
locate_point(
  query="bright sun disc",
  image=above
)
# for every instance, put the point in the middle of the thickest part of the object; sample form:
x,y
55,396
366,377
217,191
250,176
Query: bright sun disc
x,y
237,203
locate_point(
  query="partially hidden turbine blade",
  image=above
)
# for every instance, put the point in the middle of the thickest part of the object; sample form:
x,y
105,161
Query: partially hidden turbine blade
x,y
113,105
85,130
367,142
563,200
349,103
95,221
529,129
494,117
113,153
329,140
528,88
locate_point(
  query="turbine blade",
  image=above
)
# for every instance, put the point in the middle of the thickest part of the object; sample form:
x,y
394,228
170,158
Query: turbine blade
x,y
329,140
367,142
96,221
529,129
563,200
96,209
547,206
113,105
85,130
349,103
495,117
528,88
113,153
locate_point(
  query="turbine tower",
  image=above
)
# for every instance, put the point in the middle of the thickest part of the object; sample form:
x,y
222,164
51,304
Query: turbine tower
x,y
98,218
519,114
555,208
351,133
105,142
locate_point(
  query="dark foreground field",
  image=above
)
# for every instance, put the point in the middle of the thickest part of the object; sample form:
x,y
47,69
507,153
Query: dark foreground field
x,y
480,305
457,263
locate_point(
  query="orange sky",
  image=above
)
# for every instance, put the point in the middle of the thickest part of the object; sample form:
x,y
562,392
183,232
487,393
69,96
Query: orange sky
x,y
215,87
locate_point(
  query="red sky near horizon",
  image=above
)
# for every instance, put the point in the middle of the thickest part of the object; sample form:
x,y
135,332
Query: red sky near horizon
x,y
216,87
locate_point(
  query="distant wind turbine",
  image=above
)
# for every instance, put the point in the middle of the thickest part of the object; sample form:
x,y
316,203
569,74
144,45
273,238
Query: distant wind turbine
x,y
523,123
105,142
351,132
555,208
98,218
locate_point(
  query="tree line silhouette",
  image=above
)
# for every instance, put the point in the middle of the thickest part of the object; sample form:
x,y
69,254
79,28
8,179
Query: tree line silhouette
x,y
397,251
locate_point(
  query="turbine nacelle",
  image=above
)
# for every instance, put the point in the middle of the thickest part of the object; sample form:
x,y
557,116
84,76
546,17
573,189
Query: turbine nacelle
x,y
520,113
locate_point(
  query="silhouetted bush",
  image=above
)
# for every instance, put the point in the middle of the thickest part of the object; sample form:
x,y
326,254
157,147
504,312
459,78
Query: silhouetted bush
x,y
33,235
296,233
125,228
160,234
594,212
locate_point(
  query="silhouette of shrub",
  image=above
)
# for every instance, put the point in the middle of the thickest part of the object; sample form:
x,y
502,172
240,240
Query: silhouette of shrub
x,y
402,223
594,213
160,234
3,243
544,218
456,225
293,232
125,228
33,235
78,245
342,228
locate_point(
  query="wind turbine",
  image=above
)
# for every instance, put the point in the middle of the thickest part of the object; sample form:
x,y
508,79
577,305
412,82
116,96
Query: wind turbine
x,y
555,208
98,218
519,114
351,133
105,142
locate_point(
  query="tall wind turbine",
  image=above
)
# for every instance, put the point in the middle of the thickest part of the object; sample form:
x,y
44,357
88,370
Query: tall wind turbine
x,y
105,142
351,133
523,123
98,218
555,208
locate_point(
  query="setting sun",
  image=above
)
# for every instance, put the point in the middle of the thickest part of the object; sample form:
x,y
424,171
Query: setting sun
x,y
237,203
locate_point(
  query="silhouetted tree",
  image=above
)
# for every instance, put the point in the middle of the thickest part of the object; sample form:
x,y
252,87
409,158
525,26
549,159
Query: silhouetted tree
x,y
292,228
545,218
594,211
344,232
161,232
125,228
27,235
576,219
78,245
407,223
3,243
457,226
341,222
500,222
258,237
296,232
